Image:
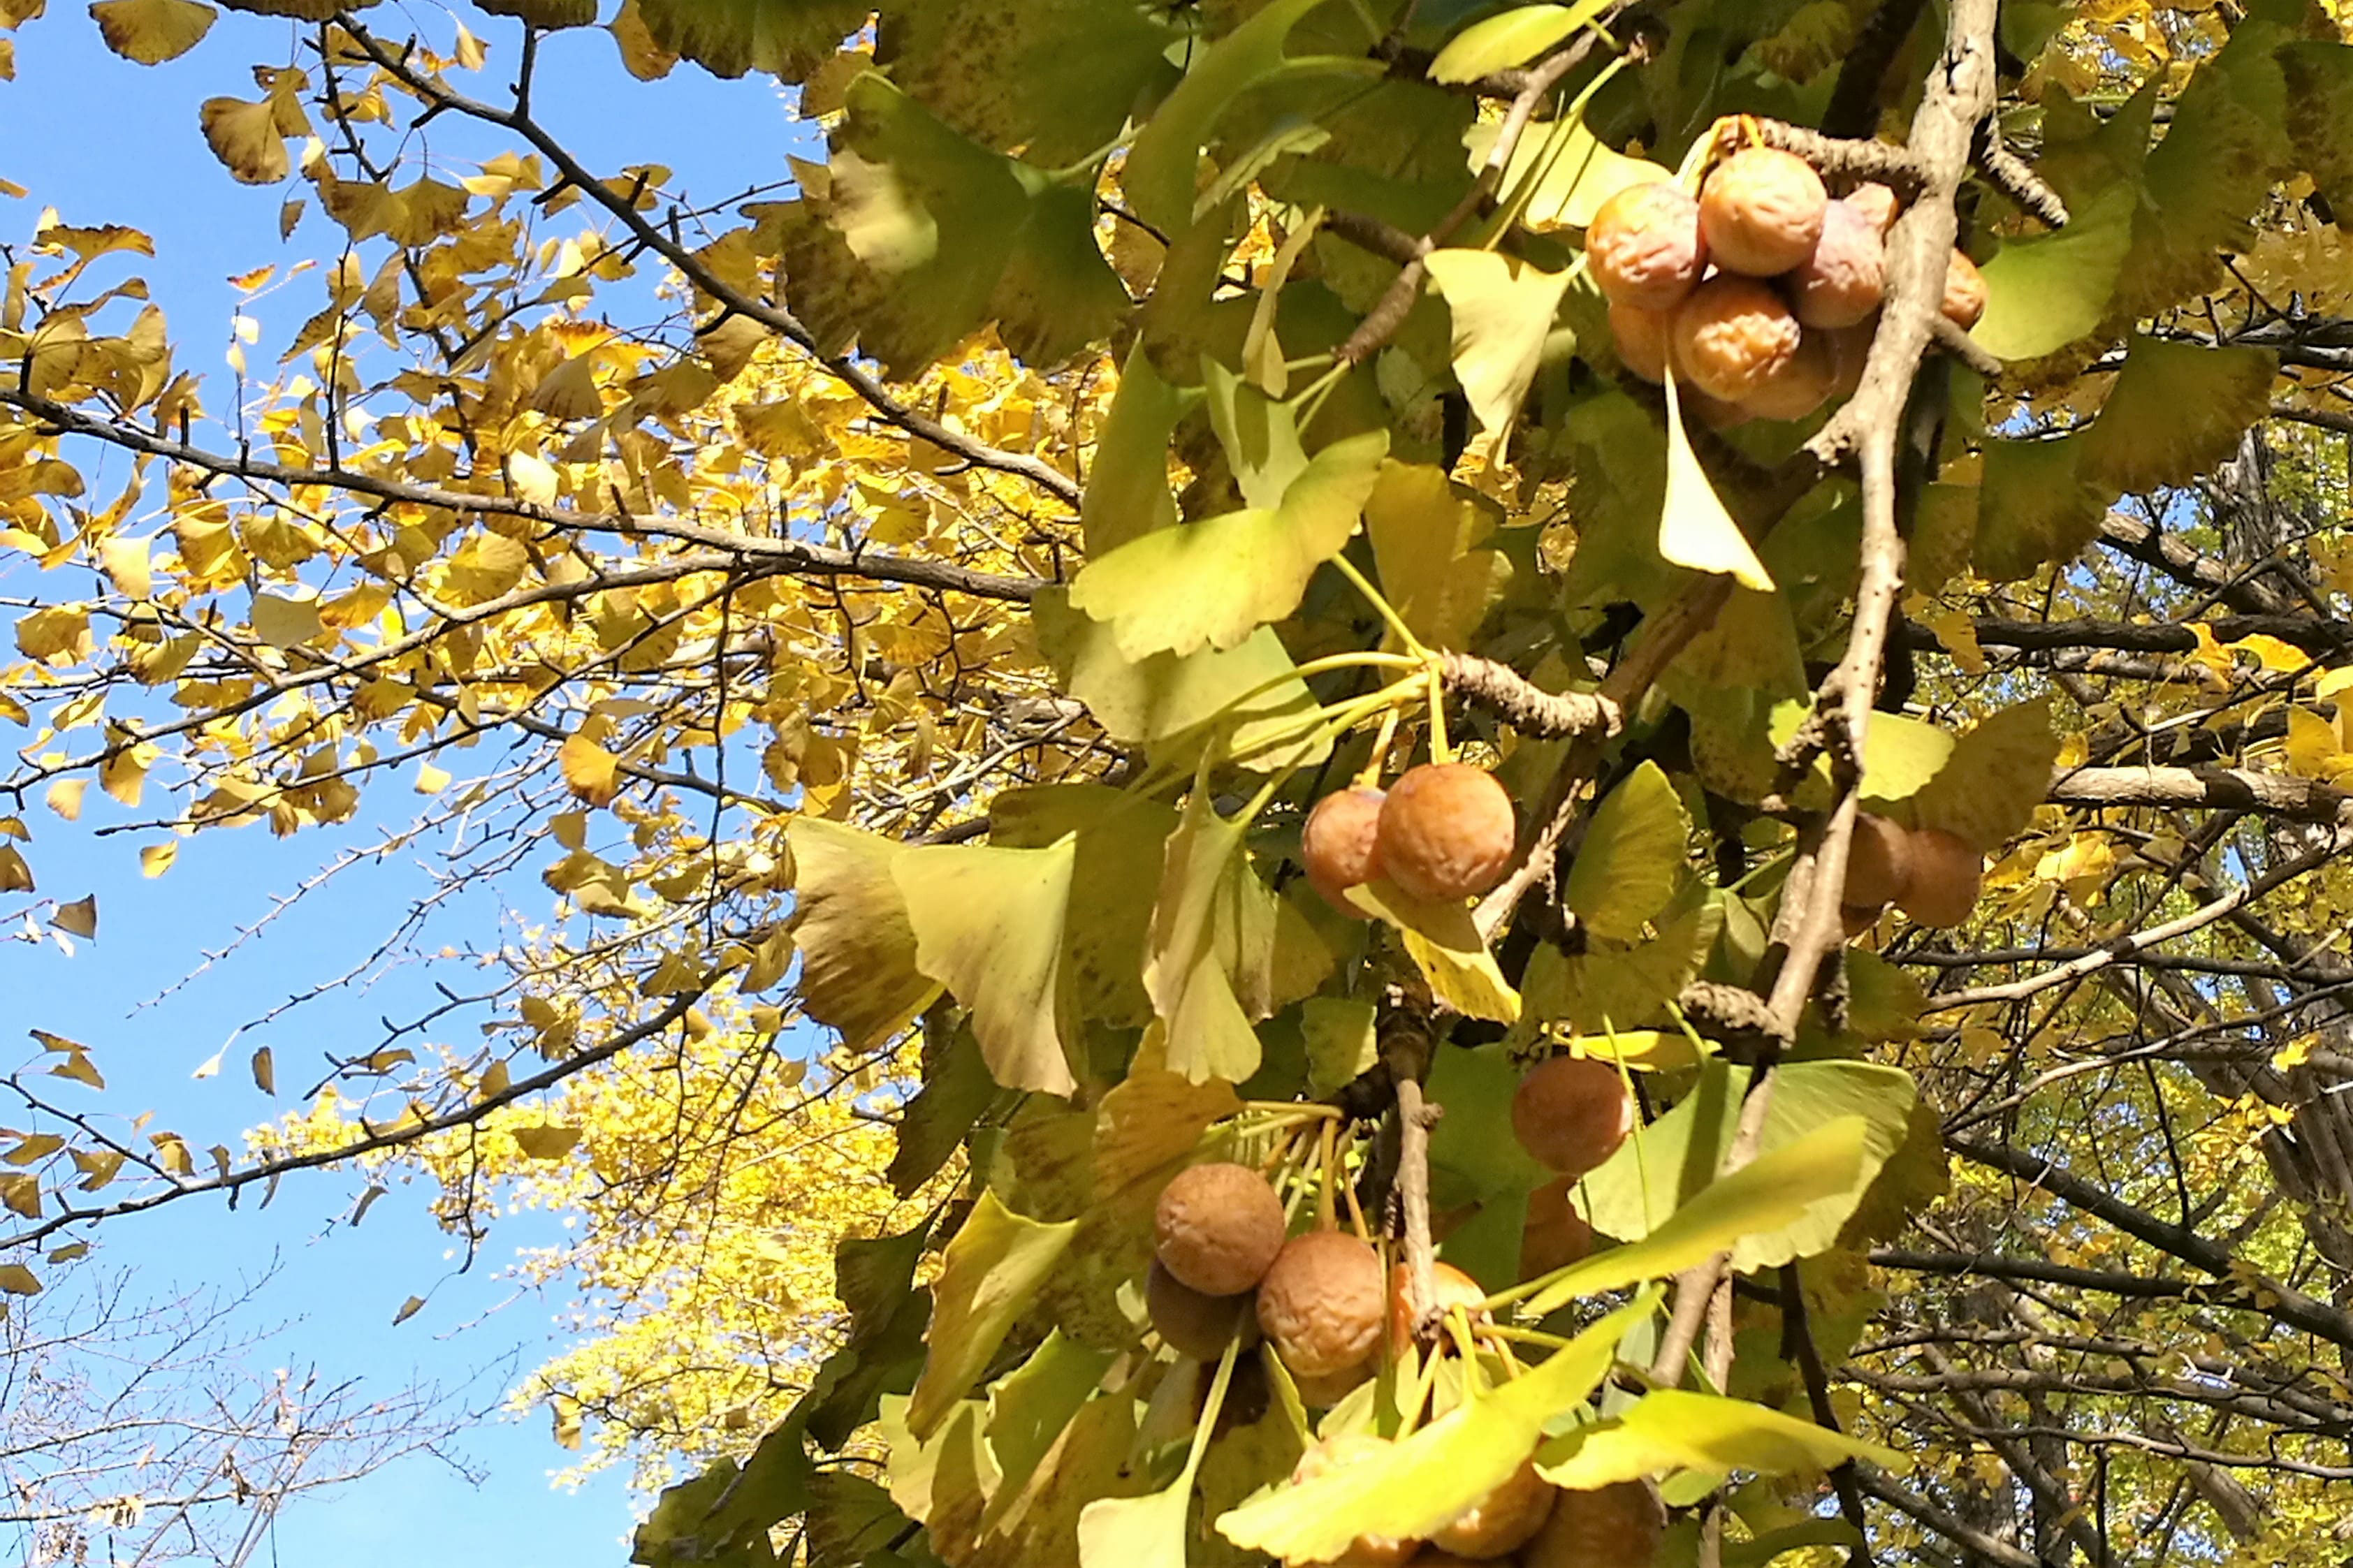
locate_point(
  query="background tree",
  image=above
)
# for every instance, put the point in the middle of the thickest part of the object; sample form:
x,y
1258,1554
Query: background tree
x,y
926,604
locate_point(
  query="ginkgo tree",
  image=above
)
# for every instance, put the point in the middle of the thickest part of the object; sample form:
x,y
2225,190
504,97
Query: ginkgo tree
x,y
1322,780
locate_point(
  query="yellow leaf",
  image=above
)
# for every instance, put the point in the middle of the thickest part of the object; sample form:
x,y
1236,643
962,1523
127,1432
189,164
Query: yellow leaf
x,y
533,477
546,1143
431,780
244,138
17,1280
408,1310
78,918
264,1070
1696,531
128,567
15,876
81,1069
21,1193
284,621
157,858
59,634
2312,749
64,797
153,31
592,772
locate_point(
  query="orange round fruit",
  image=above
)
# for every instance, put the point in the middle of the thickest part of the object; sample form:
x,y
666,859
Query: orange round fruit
x,y
1965,291
1339,1452
1876,203
1555,1235
1339,844
1733,335
1620,1526
1454,1288
1878,862
1447,832
1947,876
1761,212
1323,1303
1572,1113
1190,1324
1801,385
1502,1522
1842,282
1217,1228
1643,247
1644,338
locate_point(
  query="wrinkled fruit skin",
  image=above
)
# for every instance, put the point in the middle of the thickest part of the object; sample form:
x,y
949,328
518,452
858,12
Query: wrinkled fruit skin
x,y
1453,1288
1878,862
1644,338
1800,386
1323,1303
1644,246
1340,845
1965,293
1447,832
1761,212
1876,203
1555,1235
1502,1521
1616,1526
1843,280
1571,1113
1336,1453
1947,875
1217,1228
1190,1324
1733,335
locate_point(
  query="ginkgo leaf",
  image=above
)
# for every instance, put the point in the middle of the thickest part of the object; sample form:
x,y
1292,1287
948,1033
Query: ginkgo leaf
x,y
1673,1429
1443,941
245,137
15,874
78,918
1212,584
1998,773
1696,531
1624,985
1127,491
153,31
547,1141
858,973
992,1267
548,14
641,57
591,772
1164,165
2176,410
729,37
1561,179
1512,38
284,620
1260,435
1633,854
264,1070
2047,290
1503,308
2034,506
989,926
129,566
1122,841
15,1279
1426,534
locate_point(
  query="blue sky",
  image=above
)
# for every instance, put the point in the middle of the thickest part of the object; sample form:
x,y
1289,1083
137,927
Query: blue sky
x,y
105,141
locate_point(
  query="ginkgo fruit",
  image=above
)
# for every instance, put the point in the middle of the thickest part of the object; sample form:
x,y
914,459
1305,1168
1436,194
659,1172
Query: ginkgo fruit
x,y
1452,1289
1844,278
1340,845
1323,1302
1947,876
1965,291
1555,1234
1616,1526
1447,832
1876,203
1733,336
1644,338
1878,862
1502,1522
1801,385
1571,1113
1188,1322
1337,1452
1644,246
1761,212
1217,1228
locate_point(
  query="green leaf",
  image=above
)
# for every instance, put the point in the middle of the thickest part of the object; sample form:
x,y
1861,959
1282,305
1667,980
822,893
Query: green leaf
x,y
1162,166
1426,532
1212,584
956,1089
2047,290
1619,985
1030,1406
992,1269
1469,1162
1633,854
1056,78
1636,1191
1225,951
945,1477
989,926
1696,531
1999,771
729,37
1127,489
859,973
2034,506
1513,38
1425,1480
1171,705
1899,755
1444,944
1150,1532
1562,174
2320,114
1260,435
2177,409
1503,308
1672,1429
920,238
1341,1045
1774,1190
1121,837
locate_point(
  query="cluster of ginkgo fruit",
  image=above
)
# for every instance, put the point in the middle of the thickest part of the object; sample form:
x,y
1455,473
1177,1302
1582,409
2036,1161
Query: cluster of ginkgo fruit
x,y
1761,295
1226,1264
